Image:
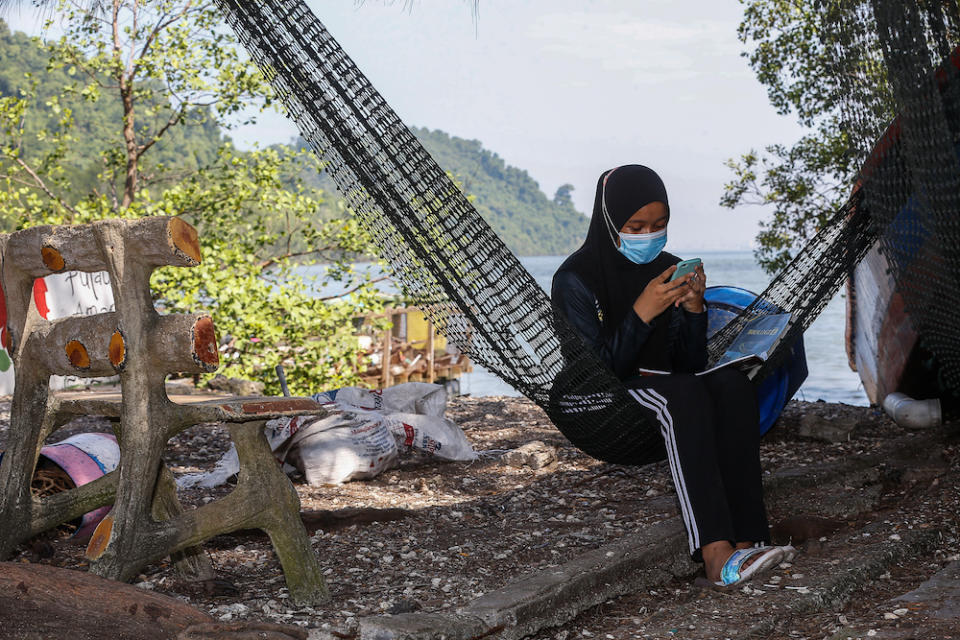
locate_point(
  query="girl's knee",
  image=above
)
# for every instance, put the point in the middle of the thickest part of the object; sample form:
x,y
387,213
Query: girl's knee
x,y
731,375
693,389
731,381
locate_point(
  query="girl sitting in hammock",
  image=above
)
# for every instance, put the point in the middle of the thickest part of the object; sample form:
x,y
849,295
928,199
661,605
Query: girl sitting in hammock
x,y
616,293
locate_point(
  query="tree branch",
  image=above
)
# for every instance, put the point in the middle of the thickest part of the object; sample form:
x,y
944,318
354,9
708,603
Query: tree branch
x,y
40,184
171,122
135,10
266,264
160,26
356,288
129,128
17,180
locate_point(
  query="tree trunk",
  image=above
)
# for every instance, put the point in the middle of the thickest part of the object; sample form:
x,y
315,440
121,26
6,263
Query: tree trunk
x,y
125,83
39,601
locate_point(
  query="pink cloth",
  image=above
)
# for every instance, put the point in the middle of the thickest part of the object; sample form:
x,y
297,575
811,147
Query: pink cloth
x,y
86,457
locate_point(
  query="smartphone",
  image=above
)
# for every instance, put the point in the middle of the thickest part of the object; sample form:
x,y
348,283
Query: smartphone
x,y
685,268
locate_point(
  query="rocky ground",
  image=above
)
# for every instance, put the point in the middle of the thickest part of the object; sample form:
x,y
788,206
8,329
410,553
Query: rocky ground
x,y
446,533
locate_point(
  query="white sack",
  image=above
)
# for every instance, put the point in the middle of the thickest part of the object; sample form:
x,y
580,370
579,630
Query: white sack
x,y
360,437
344,446
433,435
410,397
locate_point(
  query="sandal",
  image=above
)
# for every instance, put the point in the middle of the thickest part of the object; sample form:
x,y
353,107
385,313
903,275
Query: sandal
x,y
732,577
789,553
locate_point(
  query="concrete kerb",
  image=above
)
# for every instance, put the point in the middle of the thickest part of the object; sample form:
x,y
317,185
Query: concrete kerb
x,y
855,471
556,595
552,596
940,595
424,626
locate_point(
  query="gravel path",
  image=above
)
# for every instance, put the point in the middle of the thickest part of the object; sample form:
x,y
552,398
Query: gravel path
x,y
466,529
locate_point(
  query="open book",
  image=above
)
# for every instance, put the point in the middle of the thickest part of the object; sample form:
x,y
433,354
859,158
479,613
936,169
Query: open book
x,y
751,348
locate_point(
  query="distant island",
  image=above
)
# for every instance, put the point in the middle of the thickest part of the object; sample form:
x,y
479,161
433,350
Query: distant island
x,y
528,221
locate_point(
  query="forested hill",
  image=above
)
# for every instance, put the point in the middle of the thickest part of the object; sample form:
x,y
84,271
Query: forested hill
x,y
508,198
511,202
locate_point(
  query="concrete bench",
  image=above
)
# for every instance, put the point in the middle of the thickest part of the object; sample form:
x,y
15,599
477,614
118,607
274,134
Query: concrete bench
x,y
142,347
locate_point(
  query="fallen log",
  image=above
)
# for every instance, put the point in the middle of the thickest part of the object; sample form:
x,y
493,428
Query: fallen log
x,y
39,601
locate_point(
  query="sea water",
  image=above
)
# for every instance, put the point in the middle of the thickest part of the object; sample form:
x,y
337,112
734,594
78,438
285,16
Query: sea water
x,y
830,378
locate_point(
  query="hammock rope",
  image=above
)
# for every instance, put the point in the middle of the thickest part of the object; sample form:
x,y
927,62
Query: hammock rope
x,y
452,264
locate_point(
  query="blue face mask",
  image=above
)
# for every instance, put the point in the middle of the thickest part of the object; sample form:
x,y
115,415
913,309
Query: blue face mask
x,y
641,248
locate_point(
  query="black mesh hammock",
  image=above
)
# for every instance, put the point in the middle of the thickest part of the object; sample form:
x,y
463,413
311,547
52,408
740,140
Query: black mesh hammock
x,y
453,265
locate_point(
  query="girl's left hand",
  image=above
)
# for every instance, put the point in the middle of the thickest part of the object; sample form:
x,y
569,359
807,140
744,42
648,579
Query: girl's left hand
x,y
692,300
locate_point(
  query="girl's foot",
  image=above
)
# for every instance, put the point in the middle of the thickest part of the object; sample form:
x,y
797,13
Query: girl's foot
x,y
735,572
716,555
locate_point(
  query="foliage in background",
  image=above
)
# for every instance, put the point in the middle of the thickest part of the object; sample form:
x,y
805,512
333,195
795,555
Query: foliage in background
x,y
127,122
508,198
271,315
529,222
821,61
791,49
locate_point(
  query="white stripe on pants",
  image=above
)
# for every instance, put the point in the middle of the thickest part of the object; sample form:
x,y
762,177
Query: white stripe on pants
x,y
658,404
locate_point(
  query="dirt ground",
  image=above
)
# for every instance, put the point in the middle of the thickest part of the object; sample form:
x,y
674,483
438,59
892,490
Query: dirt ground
x,y
457,530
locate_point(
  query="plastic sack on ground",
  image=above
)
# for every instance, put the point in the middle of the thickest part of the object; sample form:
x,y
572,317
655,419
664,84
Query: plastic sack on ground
x,y
345,445
431,434
360,437
278,433
420,398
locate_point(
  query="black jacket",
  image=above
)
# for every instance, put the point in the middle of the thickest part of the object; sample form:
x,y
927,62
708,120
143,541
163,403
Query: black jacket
x,y
620,349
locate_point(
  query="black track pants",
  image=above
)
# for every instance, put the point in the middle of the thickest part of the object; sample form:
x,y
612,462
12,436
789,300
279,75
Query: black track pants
x,y
711,429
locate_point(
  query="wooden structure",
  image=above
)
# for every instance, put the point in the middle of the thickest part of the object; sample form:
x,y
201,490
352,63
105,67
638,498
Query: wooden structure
x,y
411,350
143,347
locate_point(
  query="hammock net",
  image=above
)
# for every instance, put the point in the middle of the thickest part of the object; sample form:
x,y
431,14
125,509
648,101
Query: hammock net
x,y
903,56
453,266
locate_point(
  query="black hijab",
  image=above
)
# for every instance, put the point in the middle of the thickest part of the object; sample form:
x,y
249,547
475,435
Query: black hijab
x,y
616,281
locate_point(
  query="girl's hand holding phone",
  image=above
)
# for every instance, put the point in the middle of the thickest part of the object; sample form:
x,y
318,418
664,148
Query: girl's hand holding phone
x,y
693,300
659,294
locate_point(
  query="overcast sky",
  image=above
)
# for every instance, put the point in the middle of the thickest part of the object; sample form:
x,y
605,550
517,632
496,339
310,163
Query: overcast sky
x,y
568,88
